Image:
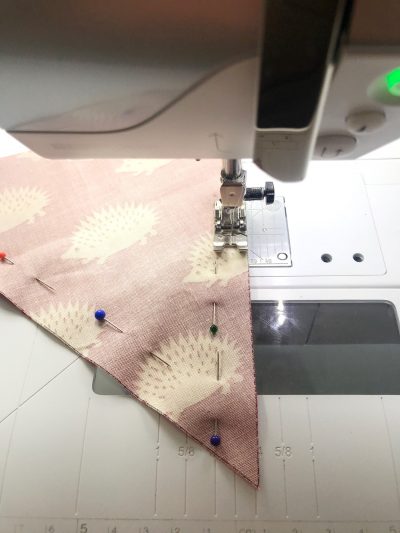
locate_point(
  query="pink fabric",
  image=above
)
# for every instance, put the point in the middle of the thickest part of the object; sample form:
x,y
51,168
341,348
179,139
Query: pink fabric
x,y
134,238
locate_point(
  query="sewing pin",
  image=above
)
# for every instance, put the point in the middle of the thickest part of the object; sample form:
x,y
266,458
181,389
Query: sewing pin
x,y
159,358
215,439
3,257
214,327
215,267
100,315
45,284
218,368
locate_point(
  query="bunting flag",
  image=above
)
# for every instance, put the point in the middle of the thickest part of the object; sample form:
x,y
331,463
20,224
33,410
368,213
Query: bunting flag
x,y
115,258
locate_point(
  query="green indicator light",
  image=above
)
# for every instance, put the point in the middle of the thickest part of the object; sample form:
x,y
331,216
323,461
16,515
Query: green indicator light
x,y
393,81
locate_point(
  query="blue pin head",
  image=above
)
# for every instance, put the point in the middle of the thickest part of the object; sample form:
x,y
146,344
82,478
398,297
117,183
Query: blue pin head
x,y
215,440
100,314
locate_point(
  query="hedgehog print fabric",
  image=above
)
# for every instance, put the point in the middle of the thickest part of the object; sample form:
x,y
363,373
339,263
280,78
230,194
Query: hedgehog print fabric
x,y
134,237
19,205
110,230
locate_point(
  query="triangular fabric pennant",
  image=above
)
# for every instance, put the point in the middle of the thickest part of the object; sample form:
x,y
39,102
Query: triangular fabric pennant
x,y
134,238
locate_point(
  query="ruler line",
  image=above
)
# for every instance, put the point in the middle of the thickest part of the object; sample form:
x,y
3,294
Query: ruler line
x,y
285,488
389,436
157,461
14,422
81,458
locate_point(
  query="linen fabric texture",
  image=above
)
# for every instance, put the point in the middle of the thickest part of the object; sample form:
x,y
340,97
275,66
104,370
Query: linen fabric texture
x,y
134,237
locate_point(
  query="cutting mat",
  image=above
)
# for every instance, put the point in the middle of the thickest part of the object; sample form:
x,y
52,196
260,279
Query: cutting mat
x,y
72,460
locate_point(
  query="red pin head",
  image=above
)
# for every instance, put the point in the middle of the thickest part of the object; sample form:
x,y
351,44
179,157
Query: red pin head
x,y
3,257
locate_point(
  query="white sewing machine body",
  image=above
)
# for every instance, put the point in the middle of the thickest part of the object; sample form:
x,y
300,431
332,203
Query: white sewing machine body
x,y
72,459
261,79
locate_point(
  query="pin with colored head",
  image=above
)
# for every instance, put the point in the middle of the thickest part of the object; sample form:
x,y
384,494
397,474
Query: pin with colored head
x,y
100,315
4,258
215,438
214,327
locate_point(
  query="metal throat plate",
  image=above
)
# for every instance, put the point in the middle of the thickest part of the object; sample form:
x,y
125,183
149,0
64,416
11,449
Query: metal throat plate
x,y
267,233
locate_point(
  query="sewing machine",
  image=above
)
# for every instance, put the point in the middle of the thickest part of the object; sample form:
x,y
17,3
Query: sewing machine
x,y
76,453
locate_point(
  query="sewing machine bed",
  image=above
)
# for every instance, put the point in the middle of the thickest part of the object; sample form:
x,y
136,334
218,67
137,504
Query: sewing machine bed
x,y
74,459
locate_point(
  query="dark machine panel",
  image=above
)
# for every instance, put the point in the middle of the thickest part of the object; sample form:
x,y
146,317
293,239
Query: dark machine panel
x,y
326,347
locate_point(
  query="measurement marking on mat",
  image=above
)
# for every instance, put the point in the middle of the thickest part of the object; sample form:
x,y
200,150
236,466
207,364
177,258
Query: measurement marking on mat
x,y
285,488
157,460
186,484
81,458
215,487
312,457
235,492
391,450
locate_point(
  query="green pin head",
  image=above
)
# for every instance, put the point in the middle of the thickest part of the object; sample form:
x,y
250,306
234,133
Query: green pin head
x,y
213,329
393,82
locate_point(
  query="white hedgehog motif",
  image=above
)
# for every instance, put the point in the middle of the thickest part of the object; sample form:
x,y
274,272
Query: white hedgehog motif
x,y
111,230
192,374
21,205
73,323
210,267
140,166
